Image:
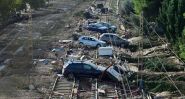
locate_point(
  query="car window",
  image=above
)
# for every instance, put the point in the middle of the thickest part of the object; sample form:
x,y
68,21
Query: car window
x,y
106,36
90,39
93,40
99,25
116,38
92,65
85,38
111,36
94,26
106,24
87,67
76,66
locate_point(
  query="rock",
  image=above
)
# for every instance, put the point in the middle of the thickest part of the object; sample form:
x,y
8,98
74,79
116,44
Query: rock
x,y
31,87
163,95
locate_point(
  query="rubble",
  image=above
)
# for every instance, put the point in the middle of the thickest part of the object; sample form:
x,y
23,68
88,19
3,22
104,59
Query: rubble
x,y
105,59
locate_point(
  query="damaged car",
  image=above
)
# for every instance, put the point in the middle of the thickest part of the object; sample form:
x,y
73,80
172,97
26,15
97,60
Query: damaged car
x,y
114,39
73,69
91,41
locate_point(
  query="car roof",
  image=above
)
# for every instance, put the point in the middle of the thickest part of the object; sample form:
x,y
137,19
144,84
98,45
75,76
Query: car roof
x,y
109,34
89,37
81,61
102,22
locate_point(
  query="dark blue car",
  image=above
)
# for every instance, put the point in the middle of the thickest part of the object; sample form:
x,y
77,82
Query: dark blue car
x,y
101,27
112,28
74,69
97,27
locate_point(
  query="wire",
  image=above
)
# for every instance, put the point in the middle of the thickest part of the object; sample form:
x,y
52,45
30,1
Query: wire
x,y
168,77
165,68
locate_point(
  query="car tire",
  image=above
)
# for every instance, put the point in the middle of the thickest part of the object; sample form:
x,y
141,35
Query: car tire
x,y
122,45
81,44
102,31
98,45
70,76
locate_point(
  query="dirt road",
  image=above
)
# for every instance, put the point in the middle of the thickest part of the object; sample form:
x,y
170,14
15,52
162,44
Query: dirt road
x,y
15,78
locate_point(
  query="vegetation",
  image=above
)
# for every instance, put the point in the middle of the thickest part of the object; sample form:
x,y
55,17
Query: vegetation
x,y
150,8
8,8
158,65
126,7
169,15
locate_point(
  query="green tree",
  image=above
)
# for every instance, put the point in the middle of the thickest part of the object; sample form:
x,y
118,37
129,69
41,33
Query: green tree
x,y
181,45
35,3
139,5
171,18
7,7
150,8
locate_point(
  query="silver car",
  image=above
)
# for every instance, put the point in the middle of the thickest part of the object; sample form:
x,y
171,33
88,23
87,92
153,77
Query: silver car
x,y
114,39
91,41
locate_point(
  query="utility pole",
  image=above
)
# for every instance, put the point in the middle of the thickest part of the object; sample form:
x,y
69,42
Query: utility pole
x,y
30,40
141,32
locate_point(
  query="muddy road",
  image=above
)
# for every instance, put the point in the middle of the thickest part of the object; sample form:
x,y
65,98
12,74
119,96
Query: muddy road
x,y
48,26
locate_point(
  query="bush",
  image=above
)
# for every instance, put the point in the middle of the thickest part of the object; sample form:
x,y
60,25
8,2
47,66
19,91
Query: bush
x,y
133,48
155,64
127,7
159,86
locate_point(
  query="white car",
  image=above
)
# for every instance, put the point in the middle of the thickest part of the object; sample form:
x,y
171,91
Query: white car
x,y
91,41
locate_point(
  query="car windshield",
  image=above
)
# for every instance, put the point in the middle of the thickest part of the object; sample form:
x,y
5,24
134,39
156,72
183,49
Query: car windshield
x,y
99,25
95,39
105,24
93,65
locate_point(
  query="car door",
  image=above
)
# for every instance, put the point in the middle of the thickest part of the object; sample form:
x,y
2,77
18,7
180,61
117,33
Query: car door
x,y
117,40
108,39
76,69
88,41
88,70
85,40
114,39
93,27
92,42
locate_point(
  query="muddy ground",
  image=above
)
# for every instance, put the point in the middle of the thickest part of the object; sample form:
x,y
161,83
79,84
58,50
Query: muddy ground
x,y
19,79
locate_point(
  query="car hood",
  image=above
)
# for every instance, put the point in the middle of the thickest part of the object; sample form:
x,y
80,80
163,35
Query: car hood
x,y
114,73
101,68
113,26
101,41
111,72
103,27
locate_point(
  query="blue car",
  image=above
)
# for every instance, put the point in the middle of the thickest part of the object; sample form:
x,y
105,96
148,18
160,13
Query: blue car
x,y
112,28
101,27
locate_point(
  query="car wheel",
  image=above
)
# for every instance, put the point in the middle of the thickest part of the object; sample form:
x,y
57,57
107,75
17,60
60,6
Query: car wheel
x,y
122,45
70,76
102,31
98,45
81,44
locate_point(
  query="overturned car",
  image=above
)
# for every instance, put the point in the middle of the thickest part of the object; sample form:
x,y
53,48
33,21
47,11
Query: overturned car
x,y
76,69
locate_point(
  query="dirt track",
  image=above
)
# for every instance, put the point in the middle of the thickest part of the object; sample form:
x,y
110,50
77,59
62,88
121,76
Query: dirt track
x,y
49,27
